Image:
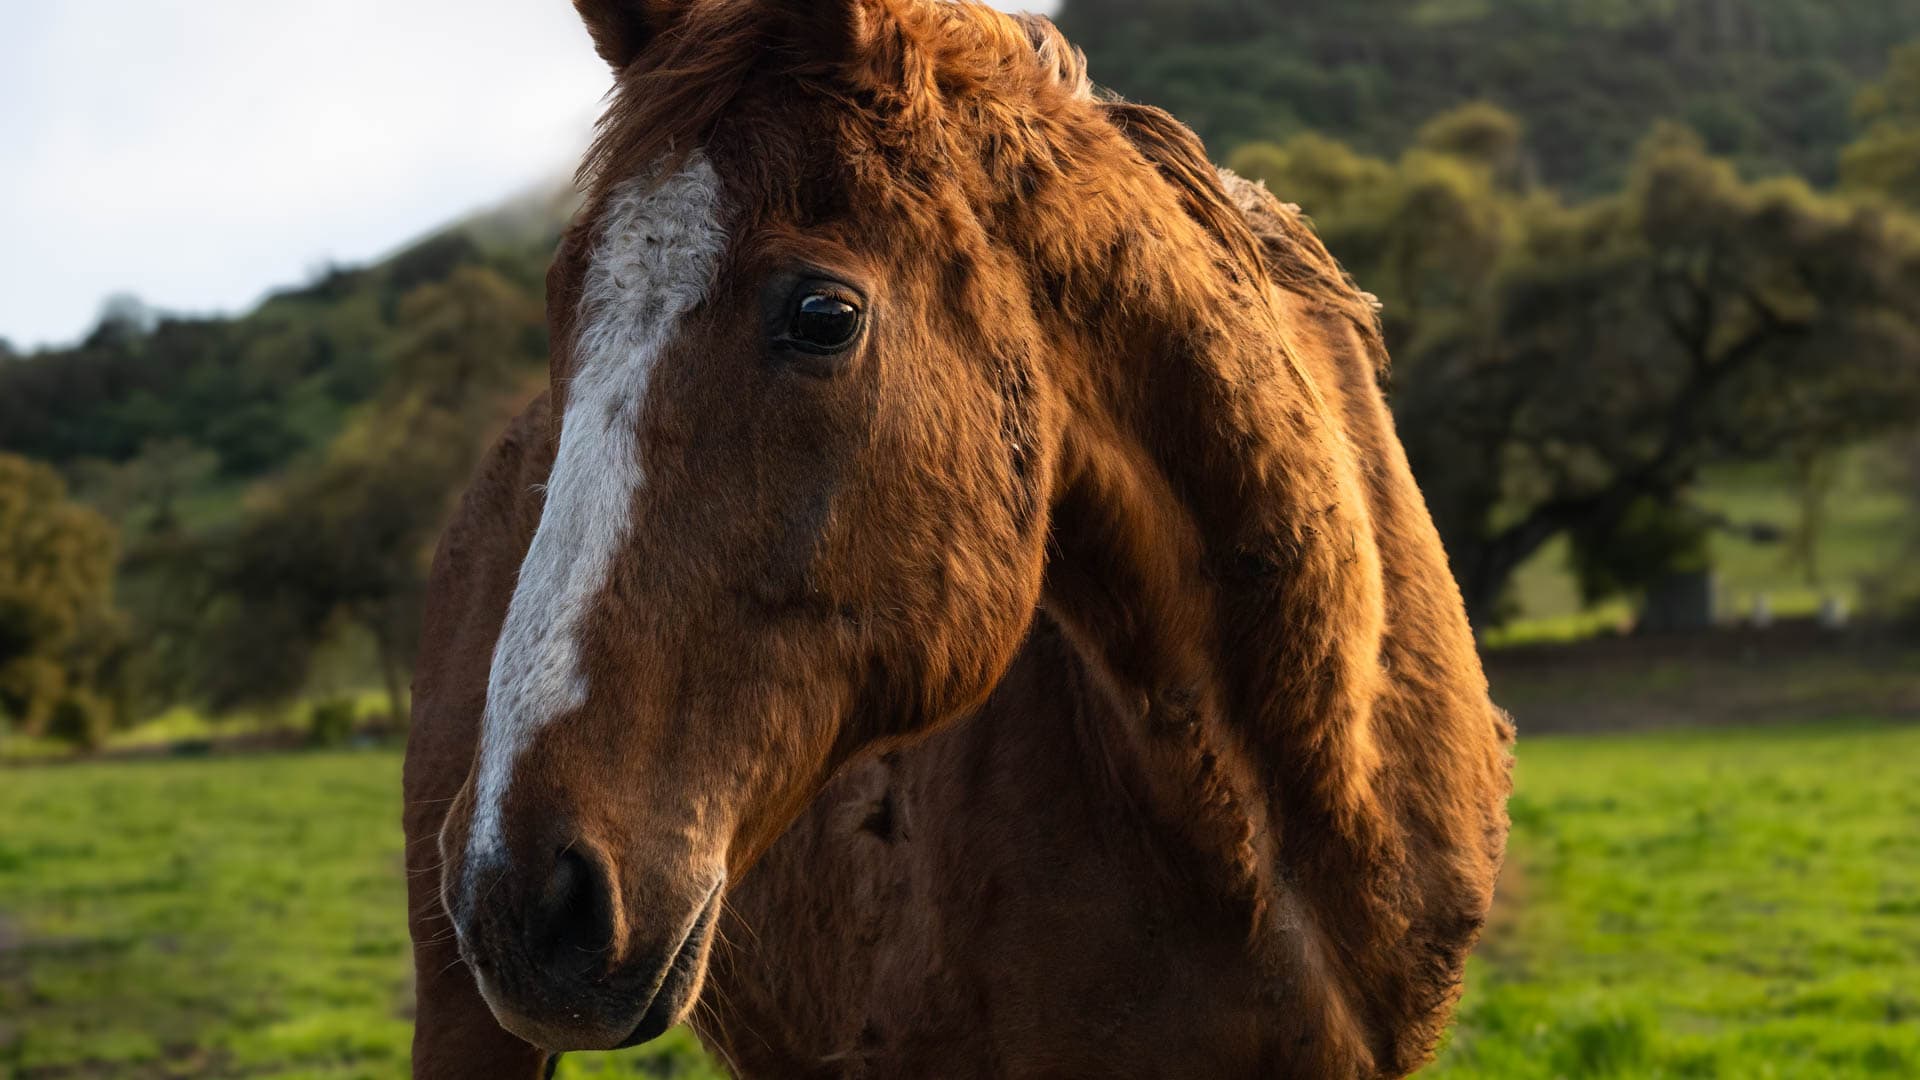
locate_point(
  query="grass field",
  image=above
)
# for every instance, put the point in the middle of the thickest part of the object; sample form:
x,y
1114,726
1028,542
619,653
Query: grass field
x,y
227,917
1709,904
1724,903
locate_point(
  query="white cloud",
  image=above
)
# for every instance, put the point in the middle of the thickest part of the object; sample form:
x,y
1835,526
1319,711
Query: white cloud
x,y
199,152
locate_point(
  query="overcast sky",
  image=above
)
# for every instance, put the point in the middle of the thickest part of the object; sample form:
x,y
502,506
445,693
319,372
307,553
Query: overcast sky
x,y
197,153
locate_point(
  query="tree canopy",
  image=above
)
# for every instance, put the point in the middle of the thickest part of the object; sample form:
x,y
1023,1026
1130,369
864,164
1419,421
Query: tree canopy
x,y
1569,369
257,391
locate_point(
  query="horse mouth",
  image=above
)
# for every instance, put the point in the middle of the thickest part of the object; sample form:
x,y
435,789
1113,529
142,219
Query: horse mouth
x,y
681,978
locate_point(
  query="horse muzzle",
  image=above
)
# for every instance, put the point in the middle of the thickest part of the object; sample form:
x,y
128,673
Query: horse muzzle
x,y
563,965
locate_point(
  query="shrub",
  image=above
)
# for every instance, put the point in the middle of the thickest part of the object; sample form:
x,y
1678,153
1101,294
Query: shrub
x,y
331,722
81,719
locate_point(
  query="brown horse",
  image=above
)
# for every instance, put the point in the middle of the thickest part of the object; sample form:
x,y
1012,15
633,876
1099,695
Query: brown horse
x,y
962,609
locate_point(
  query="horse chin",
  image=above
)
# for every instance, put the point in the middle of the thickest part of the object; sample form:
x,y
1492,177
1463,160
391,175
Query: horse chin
x,y
680,986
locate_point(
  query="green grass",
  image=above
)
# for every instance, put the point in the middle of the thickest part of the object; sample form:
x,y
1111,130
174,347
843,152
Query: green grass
x,y
185,724
239,916
1714,904
1726,903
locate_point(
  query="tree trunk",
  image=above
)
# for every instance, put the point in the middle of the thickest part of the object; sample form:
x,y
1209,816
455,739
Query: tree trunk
x,y
1488,566
1814,475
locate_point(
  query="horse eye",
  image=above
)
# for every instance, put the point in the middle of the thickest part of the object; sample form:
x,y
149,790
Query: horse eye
x,y
823,323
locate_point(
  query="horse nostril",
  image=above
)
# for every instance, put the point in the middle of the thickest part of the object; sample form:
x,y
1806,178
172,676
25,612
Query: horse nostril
x,y
570,928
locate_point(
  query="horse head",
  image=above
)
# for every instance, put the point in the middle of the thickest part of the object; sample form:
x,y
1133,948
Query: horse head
x,y
878,333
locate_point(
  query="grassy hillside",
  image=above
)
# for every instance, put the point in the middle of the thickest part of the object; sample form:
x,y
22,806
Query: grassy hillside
x,y
211,441
1729,903
207,405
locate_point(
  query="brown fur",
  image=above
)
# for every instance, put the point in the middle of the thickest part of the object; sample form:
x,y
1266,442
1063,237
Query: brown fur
x,y
1074,687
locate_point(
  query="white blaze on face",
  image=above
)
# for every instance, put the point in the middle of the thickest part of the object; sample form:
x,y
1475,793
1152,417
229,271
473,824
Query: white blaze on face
x,y
657,251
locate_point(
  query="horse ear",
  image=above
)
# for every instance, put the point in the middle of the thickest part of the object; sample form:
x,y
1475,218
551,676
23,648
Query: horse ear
x,y
622,29
826,31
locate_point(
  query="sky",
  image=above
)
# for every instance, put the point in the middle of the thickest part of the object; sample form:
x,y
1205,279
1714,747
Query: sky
x,y
198,153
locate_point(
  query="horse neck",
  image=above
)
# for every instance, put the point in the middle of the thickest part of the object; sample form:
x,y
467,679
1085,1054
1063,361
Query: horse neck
x,y
1126,583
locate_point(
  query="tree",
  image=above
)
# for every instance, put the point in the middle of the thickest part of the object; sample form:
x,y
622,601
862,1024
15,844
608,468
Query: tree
x,y
340,543
1482,134
57,622
124,320
1569,370
1693,319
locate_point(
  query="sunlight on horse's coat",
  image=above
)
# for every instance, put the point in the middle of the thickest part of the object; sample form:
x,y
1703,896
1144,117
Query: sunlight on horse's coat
x,y
1049,656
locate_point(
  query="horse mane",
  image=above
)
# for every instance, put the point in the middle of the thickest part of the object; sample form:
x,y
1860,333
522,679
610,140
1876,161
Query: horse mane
x,y
1068,64
1266,238
1299,262
1173,149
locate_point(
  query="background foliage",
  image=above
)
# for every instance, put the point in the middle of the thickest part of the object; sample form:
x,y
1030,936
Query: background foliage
x,y
1768,83
1572,368
57,627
